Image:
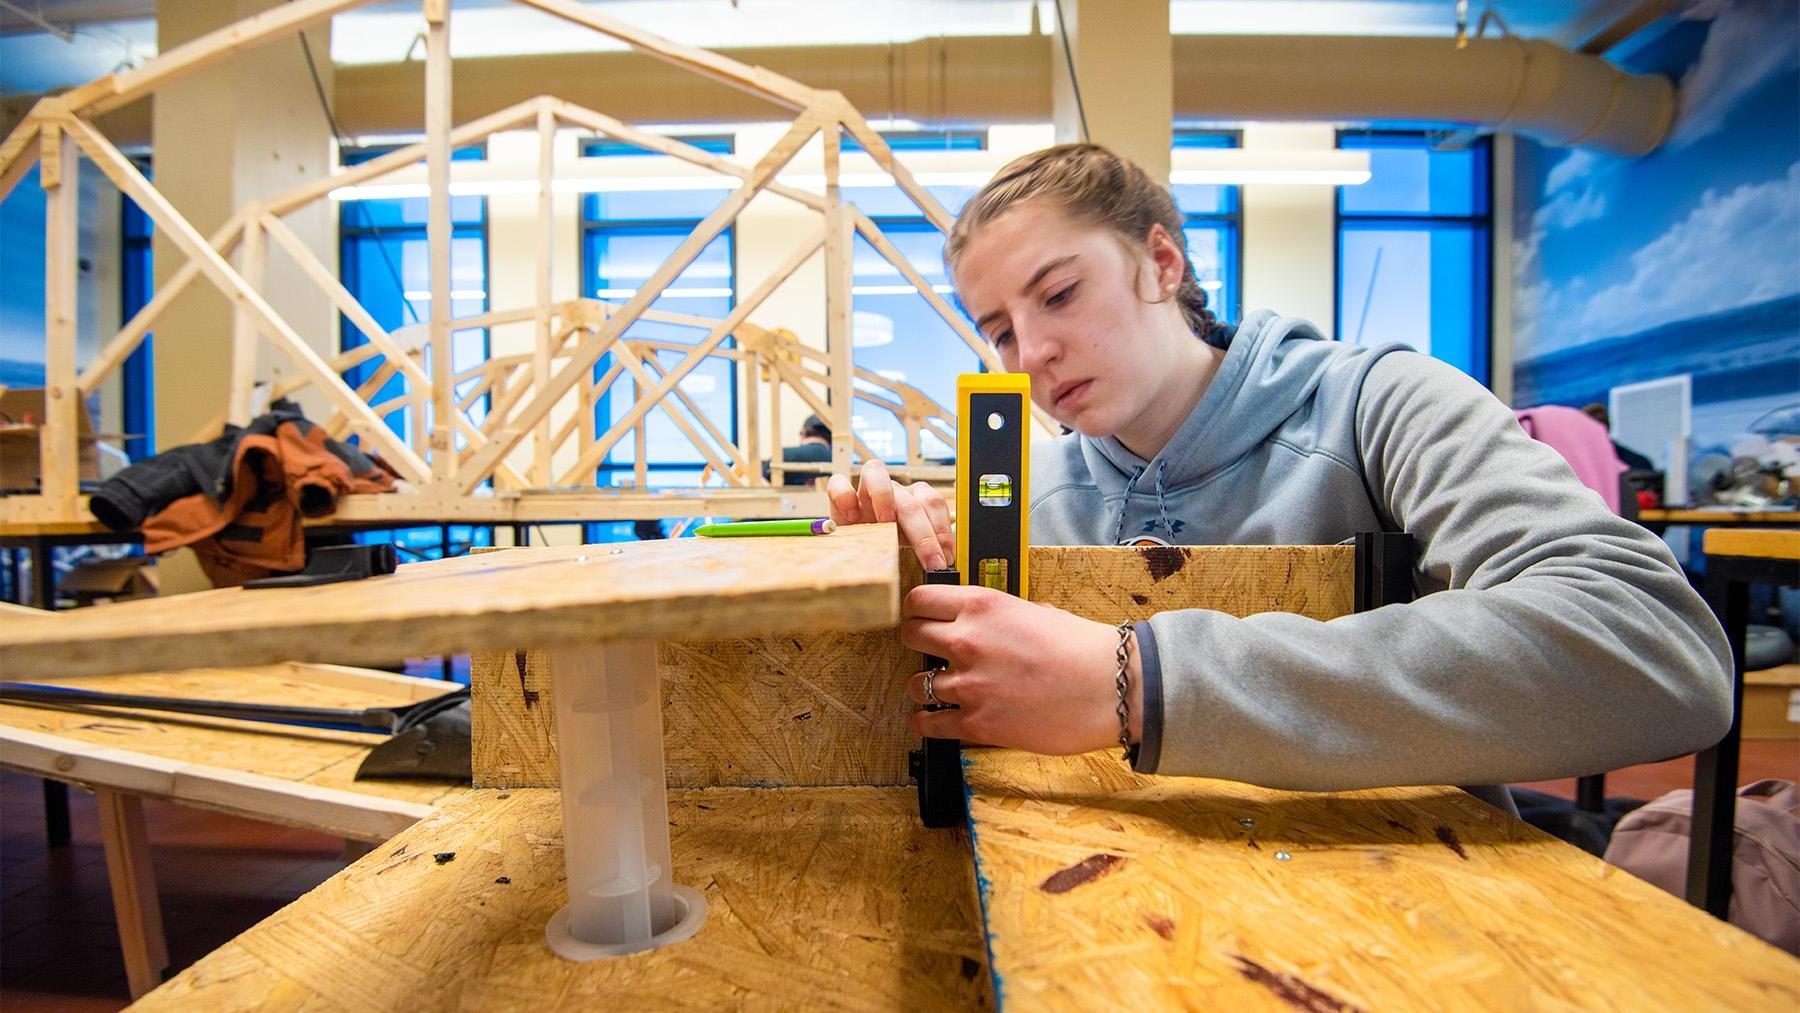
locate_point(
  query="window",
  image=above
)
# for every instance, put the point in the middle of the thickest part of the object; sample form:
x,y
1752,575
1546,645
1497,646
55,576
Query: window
x,y
384,261
894,332
625,237
137,283
1413,249
1214,217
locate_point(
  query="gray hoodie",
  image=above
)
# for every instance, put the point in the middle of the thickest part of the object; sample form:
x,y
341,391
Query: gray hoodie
x,y
1553,638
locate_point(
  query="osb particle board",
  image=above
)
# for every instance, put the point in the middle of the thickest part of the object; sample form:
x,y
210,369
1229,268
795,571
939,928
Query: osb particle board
x,y
831,708
1195,893
282,773
829,898
690,588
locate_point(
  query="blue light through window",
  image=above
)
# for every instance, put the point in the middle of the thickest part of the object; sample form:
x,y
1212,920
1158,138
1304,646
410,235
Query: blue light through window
x,y
1214,217
1414,247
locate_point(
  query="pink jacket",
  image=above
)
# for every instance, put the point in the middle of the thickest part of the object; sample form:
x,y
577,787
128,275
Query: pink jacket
x,y
1582,442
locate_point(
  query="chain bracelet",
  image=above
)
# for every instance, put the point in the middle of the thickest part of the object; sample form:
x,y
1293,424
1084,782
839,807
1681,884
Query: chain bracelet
x,y
1123,657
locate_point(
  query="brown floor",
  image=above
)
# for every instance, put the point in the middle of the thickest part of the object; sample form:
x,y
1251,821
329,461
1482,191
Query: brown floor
x,y
218,875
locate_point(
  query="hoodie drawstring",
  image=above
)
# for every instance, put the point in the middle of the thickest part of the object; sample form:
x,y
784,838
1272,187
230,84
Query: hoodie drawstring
x,y
1125,506
1162,502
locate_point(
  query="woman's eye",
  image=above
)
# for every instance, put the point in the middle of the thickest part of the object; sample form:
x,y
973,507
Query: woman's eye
x,y
1061,296
1001,338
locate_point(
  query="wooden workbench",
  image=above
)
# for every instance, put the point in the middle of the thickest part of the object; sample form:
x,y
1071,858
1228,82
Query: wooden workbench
x,y
299,777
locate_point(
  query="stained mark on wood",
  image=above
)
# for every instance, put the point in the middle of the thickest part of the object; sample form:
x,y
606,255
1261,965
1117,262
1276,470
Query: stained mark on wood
x,y
1253,845
1085,871
1163,561
401,850
1448,836
444,857
970,968
1141,599
1160,925
1291,989
531,695
803,716
1397,825
504,880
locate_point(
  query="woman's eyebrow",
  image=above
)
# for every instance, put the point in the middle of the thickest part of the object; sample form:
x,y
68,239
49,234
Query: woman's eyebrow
x,y
1036,276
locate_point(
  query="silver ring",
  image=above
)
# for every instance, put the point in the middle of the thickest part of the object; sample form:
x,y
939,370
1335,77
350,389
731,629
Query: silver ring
x,y
931,699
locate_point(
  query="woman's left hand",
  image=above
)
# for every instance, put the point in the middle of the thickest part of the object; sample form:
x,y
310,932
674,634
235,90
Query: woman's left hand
x,y
1022,675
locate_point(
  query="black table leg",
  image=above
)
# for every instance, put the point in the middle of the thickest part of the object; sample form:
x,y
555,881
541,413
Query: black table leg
x,y
56,813
1716,769
43,574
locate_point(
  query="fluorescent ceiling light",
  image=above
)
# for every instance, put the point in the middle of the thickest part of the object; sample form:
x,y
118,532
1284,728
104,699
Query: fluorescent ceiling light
x,y
895,289
667,293
458,294
1241,166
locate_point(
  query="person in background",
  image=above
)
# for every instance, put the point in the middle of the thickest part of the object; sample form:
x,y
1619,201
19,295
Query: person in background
x,y
1630,458
814,448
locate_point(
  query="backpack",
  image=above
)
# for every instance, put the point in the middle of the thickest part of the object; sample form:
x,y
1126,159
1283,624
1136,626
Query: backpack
x,y
1651,843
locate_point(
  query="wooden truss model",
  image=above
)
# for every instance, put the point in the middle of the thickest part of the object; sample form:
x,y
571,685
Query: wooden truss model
x,y
449,454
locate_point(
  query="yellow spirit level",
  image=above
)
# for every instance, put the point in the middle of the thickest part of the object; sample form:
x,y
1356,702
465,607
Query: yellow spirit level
x,y
993,493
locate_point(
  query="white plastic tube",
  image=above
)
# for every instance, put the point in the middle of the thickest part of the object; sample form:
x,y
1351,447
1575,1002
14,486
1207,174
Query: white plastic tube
x,y
615,807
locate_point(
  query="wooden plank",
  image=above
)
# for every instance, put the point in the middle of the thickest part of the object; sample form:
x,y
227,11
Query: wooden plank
x,y
596,452
681,588
179,231
1766,543
596,505
813,709
878,149
132,334
587,354
133,880
1719,516
641,363
1197,893
829,896
110,92
296,776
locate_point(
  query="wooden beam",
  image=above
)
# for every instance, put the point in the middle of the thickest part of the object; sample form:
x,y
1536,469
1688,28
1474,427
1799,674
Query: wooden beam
x,y
16,161
400,158
756,80
183,235
252,261
819,407
124,87
61,182
751,449
437,232
546,247
840,247
878,149
132,876
587,354
674,148
132,334
640,372
596,451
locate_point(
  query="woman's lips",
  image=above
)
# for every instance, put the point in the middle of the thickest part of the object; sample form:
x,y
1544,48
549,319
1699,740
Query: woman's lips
x,y
1073,394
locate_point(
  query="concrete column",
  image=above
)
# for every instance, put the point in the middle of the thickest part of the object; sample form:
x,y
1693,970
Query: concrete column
x,y
1121,53
243,130
1289,240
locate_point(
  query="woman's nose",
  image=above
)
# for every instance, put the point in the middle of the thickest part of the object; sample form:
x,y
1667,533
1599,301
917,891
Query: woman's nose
x,y
1036,349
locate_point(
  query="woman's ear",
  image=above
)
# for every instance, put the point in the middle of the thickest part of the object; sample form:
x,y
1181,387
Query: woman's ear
x,y
1168,257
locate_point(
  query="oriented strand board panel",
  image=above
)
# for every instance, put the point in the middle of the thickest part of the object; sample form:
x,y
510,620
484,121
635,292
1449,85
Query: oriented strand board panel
x,y
1201,894
825,709
280,773
684,588
816,898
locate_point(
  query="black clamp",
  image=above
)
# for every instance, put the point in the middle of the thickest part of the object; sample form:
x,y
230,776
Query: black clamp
x,y
937,765
337,563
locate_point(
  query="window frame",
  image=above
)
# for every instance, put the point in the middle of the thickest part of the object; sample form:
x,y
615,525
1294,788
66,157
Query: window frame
x,y
1481,353
1233,219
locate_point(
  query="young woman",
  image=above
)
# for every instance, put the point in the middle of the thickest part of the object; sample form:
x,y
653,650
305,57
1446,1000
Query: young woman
x,y
1552,639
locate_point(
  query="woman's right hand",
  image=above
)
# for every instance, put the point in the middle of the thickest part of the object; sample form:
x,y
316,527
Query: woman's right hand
x,y
919,510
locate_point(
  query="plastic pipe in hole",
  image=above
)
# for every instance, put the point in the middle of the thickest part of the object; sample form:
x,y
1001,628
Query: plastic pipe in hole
x,y
615,807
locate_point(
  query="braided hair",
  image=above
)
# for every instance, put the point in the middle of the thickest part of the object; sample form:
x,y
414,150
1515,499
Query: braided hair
x,y
1098,186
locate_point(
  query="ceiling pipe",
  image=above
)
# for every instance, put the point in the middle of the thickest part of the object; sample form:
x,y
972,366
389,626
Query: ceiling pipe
x,y
1530,86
